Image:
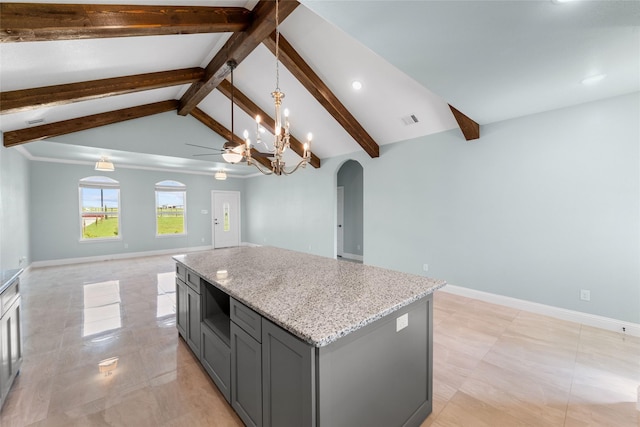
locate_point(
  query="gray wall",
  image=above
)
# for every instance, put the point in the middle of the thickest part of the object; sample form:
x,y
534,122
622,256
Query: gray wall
x,y
296,212
350,177
55,227
537,209
14,209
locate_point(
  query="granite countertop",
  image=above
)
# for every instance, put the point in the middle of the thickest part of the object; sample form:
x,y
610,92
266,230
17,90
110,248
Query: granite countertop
x,y
8,276
317,299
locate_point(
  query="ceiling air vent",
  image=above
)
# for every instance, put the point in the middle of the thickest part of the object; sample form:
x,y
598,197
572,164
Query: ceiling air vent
x,y
410,120
34,122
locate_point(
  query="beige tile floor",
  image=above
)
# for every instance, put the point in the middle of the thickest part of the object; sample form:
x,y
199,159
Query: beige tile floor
x,y
493,366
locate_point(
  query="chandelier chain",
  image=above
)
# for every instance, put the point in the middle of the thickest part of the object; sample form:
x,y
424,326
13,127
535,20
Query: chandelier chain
x,y
277,50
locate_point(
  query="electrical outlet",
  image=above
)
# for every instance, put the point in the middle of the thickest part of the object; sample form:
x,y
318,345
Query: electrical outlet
x,y
585,295
425,267
358,247
126,246
202,240
402,322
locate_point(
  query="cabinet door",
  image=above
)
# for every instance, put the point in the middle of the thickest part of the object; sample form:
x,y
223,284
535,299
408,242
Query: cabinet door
x,y
5,357
181,308
288,379
246,376
216,359
193,321
15,337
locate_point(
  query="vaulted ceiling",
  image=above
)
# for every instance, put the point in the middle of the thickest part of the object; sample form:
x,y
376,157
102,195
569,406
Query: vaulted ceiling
x,y
71,74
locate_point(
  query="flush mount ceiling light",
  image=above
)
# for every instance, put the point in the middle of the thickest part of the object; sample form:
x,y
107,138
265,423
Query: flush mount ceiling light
x,y
356,85
593,79
104,165
221,175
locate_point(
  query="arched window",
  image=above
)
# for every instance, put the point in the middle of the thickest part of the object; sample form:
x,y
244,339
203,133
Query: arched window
x,y
99,208
171,208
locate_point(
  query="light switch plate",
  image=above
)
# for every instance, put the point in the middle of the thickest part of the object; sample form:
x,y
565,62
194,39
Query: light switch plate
x,y
402,322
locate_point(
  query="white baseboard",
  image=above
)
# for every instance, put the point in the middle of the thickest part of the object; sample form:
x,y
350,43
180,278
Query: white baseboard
x,y
251,245
125,255
352,256
548,310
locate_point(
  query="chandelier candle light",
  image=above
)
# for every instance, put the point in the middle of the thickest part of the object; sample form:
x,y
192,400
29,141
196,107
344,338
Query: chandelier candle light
x,y
281,133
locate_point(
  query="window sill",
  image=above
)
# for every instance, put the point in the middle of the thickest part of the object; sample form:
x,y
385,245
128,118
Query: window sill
x,y
101,239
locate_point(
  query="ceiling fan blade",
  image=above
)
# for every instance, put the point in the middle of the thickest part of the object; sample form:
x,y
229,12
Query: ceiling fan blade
x,y
202,146
207,154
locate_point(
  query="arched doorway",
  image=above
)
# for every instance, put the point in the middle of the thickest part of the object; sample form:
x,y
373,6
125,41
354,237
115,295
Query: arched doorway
x,y
349,233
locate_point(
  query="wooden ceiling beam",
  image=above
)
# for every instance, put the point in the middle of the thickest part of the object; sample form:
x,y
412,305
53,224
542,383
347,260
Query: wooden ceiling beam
x,y
47,21
50,130
215,126
316,87
470,129
237,48
249,107
48,96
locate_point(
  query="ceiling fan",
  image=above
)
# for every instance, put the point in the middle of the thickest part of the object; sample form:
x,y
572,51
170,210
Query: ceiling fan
x,y
229,147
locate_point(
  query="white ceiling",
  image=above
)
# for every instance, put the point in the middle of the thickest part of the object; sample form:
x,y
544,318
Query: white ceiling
x,y
496,60
493,60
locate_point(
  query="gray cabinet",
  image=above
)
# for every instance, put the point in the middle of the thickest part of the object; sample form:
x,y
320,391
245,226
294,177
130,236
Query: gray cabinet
x,y
272,372
193,321
216,359
181,308
288,379
246,376
10,338
188,315
215,354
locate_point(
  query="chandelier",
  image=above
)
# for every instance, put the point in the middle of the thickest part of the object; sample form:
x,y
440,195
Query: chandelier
x,y
281,132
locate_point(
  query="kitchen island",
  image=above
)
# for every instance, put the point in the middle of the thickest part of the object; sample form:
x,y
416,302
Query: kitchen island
x,y
292,339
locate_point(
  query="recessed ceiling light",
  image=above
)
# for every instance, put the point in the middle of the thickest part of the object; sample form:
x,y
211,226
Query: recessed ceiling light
x,y
356,85
593,79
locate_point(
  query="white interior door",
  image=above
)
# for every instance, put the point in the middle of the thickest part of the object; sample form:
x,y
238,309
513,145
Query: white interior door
x,y
226,218
340,232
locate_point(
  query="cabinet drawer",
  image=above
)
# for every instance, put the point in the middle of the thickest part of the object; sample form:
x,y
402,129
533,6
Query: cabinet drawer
x,y
216,359
247,319
193,281
9,296
181,272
